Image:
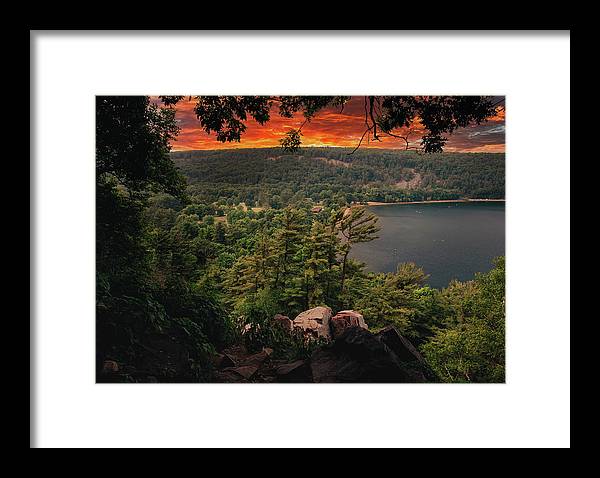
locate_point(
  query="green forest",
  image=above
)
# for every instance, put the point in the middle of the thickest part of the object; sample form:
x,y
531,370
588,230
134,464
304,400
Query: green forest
x,y
199,252
268,177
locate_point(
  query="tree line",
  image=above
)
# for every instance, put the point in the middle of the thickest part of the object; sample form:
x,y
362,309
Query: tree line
x,y
266,177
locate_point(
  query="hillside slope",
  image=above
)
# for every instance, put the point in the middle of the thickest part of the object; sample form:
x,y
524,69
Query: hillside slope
x,y
269,178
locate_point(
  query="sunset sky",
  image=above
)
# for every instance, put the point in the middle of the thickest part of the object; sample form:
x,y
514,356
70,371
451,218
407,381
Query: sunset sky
x,y
330,127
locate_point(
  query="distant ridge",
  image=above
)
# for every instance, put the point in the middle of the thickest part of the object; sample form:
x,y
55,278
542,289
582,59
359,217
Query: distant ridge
x,y
269,177
336,148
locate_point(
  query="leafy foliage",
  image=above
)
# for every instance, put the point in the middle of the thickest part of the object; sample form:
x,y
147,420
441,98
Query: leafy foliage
x,y
147,296
254,316
439,115
472,348
285,261
291,140
183,271
133,139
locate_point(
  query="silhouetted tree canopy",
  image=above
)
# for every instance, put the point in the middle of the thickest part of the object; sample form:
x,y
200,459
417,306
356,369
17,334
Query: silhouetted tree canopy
x,y
133,138
384,115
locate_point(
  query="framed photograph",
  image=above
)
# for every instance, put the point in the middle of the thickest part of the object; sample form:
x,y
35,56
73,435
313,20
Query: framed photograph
x,y
312,239
227,243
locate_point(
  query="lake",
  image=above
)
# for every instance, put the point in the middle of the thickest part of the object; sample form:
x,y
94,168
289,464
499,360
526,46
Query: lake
x,y
448,240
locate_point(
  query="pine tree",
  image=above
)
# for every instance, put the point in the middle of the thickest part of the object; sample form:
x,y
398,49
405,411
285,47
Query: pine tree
x,y
356,226
253,272
316,265
331,247
287,239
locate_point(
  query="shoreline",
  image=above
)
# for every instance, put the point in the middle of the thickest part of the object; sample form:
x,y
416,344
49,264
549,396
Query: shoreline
x,y
437,201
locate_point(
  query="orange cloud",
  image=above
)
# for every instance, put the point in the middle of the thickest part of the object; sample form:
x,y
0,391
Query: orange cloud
x,y
330,127
500,115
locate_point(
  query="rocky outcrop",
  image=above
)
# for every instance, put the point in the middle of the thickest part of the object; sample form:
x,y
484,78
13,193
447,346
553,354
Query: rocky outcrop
x,y
344,320
314,322
222,361
353,355
318,322
284,322
358,356
294,372
400,345
244,366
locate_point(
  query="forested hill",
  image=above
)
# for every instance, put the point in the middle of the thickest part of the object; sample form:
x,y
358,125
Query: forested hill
x,y
267,177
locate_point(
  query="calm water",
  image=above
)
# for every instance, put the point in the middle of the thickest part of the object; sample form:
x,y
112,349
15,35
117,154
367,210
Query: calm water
x,y
448,240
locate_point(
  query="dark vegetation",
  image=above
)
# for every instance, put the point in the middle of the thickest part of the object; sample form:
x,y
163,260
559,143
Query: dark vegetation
x,y
182,271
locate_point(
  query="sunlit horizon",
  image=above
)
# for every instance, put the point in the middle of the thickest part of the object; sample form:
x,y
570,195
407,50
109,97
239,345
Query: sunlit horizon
x,y
333,128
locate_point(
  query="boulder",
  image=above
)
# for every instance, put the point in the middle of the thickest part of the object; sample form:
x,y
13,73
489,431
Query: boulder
x,y
294,372
284,322
222,361
345,319
229,375
246,367
358,356
236,351
257,358
247,371
314,322
408,354
110,366
404,350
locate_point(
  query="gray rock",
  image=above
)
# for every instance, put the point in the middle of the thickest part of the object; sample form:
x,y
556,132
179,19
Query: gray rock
x,y
222,361
294,372
314,322
400,345
345,319
358,356
284,322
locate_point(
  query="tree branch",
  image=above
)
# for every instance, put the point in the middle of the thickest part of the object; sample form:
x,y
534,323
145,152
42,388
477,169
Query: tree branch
x,y
361,140
372,104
